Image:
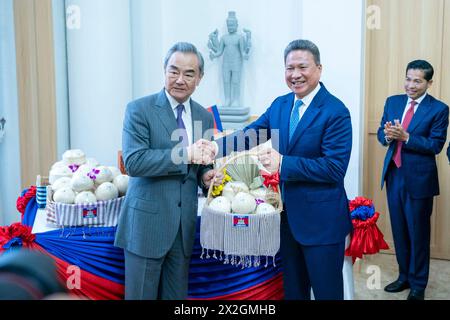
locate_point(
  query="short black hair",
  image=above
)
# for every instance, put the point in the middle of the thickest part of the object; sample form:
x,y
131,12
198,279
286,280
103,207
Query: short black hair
x,y
304,45
423,65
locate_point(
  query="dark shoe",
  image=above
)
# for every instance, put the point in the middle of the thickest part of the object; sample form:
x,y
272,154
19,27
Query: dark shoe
x,y
397,286
416,294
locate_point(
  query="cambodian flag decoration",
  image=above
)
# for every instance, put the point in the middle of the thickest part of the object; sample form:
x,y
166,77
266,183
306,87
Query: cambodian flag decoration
x,y
89,212
217,122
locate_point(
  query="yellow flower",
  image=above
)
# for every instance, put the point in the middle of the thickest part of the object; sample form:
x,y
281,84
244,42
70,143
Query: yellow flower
x,y
217,190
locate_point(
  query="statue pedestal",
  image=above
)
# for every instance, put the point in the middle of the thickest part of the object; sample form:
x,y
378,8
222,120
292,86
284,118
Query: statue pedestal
x,y
234,117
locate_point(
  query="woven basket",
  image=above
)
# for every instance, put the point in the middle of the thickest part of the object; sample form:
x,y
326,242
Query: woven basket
x,y
97,214
241,240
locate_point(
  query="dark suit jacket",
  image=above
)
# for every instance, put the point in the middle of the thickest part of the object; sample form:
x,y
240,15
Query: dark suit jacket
x,y
313,166
427,135
160,193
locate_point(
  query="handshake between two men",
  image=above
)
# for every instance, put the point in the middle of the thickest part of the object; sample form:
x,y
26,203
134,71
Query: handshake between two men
x,y
204,152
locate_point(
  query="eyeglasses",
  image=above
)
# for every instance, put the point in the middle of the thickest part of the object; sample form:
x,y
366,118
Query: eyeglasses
x,y
175,75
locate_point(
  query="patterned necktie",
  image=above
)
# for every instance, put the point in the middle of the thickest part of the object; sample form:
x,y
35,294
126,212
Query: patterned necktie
x,y
405,124
181,126
295,118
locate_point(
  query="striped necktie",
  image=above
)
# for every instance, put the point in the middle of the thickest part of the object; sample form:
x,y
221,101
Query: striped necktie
x,y
295,118
181,126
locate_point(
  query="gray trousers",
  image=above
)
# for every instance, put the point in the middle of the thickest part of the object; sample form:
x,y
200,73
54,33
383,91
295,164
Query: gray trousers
x,y
164,278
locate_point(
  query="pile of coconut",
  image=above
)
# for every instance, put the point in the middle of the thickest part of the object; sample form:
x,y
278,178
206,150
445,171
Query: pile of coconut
x,y
79,180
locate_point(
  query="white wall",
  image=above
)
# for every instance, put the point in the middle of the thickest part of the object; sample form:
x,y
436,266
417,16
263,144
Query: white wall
x,y
9,148
336,27
99,77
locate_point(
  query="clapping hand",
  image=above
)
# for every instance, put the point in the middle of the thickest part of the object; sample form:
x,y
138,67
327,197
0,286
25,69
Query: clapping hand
x,y
270,159
201,152
395,131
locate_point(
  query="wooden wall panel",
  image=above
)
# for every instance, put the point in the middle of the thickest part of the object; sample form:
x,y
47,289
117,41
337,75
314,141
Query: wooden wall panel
x,y
36,87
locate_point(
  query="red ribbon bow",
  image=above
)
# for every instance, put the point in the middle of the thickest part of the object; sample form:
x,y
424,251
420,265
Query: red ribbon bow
x,y
272,179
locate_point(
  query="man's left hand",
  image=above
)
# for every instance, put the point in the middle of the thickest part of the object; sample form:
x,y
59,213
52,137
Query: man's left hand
x,y
270,159
397,132
209,175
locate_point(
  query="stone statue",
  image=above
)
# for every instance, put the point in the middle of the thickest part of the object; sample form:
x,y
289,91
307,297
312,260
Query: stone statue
x,y
235,48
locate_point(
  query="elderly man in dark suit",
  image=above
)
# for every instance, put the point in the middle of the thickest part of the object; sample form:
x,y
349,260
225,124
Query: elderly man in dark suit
x,y
158,218
414,128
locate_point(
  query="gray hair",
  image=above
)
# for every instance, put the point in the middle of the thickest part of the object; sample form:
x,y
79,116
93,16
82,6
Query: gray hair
x,y
304,45
185,47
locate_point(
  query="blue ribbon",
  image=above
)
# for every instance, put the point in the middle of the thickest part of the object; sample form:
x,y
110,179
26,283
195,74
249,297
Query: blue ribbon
x,y
14,243
363,213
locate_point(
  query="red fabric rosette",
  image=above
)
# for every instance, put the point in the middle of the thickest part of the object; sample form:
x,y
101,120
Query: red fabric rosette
x,y
16,230
22,202
366,238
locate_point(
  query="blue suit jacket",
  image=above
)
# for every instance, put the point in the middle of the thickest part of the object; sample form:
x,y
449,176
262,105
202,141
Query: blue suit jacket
x,y
427,135
313,166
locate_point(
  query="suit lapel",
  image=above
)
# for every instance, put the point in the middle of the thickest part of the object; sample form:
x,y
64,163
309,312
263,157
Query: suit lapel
x,y
398,110
286,109
166,113
420,113
309,116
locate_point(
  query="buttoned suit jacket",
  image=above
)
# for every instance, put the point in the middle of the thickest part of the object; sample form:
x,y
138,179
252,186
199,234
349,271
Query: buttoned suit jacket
x,y
162,193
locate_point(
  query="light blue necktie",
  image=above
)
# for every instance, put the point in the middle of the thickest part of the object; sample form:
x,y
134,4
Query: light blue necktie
x,y
295,118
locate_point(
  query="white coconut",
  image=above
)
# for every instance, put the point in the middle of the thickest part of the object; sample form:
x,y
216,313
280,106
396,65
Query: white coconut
x,y
106,191
115,171
105,175
85,197
231,189
228,192
59,172
59,164
121,182
238,186
75,156
64,195
221,204
243,203
259,193
63,182
84,169
92,162
81,183
264,208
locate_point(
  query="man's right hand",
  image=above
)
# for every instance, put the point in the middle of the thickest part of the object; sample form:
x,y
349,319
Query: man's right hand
x,y
201,152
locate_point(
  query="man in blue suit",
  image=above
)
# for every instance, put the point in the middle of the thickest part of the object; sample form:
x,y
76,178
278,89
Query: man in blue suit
x,y
414,127
315,139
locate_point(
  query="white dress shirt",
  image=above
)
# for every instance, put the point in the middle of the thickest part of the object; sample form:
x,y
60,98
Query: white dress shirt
x,y
186,115
306,101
